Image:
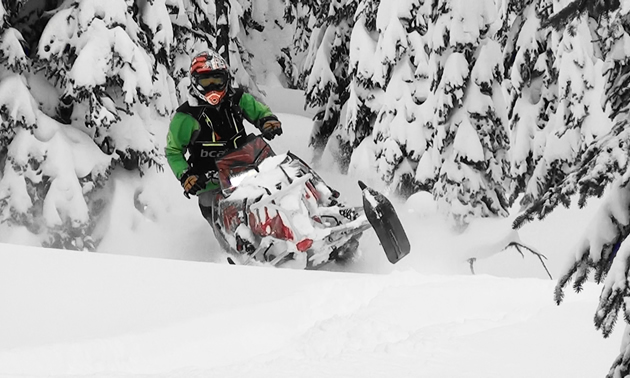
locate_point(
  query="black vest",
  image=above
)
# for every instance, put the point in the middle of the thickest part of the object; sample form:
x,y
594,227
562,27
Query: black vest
x,y
220,130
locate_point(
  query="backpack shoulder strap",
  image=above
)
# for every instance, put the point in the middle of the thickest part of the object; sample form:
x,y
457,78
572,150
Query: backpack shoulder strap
x,y
236,97
193,111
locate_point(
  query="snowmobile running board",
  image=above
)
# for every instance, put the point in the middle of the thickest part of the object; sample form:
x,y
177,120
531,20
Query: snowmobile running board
x,y
382,216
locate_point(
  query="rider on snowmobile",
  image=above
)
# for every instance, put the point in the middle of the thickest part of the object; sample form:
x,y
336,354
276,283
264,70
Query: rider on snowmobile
x,y
209,125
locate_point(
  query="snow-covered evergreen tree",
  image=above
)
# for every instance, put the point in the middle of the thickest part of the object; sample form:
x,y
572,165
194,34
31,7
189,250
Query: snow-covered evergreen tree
x,y
18,112
192,31
604,165
241,21
530,82
401,65
223,29
578,118
49,170
301,15
467,159
327,66
155,20
554,110
366,89
266,39
98,56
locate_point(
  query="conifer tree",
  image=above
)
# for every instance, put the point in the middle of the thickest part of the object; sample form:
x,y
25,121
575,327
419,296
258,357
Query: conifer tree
x,y
18,111
604,166
301,15
530,73
399,128
327,68
43,182
241,23
106,70
98,60
554,113
578,117
365,97
223,29
467,158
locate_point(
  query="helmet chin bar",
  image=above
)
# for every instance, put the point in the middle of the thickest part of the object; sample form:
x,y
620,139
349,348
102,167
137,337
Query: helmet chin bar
x,y
214,97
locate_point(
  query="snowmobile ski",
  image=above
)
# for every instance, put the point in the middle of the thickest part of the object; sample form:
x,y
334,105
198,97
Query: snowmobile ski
x,y
382,216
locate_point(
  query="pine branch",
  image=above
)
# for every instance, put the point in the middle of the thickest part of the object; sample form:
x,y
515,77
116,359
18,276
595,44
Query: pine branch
x,y
608,310
621,365
566,278
581,275
560,19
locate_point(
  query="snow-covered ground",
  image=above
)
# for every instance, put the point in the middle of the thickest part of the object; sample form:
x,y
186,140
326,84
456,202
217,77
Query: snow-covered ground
x,y
150,314
76,314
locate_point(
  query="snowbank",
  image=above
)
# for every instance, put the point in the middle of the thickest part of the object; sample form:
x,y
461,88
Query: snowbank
x,y
75,313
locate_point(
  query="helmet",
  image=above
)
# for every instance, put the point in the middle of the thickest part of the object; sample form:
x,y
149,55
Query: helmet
x,y
209,76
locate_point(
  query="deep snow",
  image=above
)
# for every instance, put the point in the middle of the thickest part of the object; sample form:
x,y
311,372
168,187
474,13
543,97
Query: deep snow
x,y
85,314
74,314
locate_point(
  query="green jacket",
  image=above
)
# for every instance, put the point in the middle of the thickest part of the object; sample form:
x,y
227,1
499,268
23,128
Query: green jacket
x,y
185,127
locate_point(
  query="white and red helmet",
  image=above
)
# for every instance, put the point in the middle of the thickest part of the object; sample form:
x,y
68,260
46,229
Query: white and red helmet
x,y
209,76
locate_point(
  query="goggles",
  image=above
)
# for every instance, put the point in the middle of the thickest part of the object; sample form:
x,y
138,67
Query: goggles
x,y
207,81
212,82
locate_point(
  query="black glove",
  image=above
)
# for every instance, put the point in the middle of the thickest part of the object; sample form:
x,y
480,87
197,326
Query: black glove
x,y
270,127
193,183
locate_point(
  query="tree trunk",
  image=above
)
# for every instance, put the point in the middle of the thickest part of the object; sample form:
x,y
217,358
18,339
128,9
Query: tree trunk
x,y
223,29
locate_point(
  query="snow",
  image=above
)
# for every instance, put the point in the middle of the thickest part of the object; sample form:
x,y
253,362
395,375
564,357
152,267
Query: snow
x,y
159,299
156,17
3,13
20,104
487,62
467,142
362,46
466,28
426,169
392,36
78,314
323,77
11,45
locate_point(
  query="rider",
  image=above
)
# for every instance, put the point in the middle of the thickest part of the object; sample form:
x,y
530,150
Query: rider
x,y
210,124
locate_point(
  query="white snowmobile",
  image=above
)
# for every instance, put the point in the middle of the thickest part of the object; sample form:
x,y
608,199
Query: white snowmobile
x,y
275,210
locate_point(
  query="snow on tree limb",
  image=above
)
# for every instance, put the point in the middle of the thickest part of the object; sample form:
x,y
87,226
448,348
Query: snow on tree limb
x,y
12,53
466,143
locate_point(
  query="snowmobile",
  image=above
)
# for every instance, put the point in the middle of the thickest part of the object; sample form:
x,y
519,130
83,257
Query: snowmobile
x,y
275,210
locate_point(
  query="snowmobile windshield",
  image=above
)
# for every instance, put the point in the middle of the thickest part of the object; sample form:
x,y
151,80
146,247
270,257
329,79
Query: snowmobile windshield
x,y
236,179
236,165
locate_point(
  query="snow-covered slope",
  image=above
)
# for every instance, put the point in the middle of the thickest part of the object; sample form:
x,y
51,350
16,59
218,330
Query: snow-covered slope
x,y
98,315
